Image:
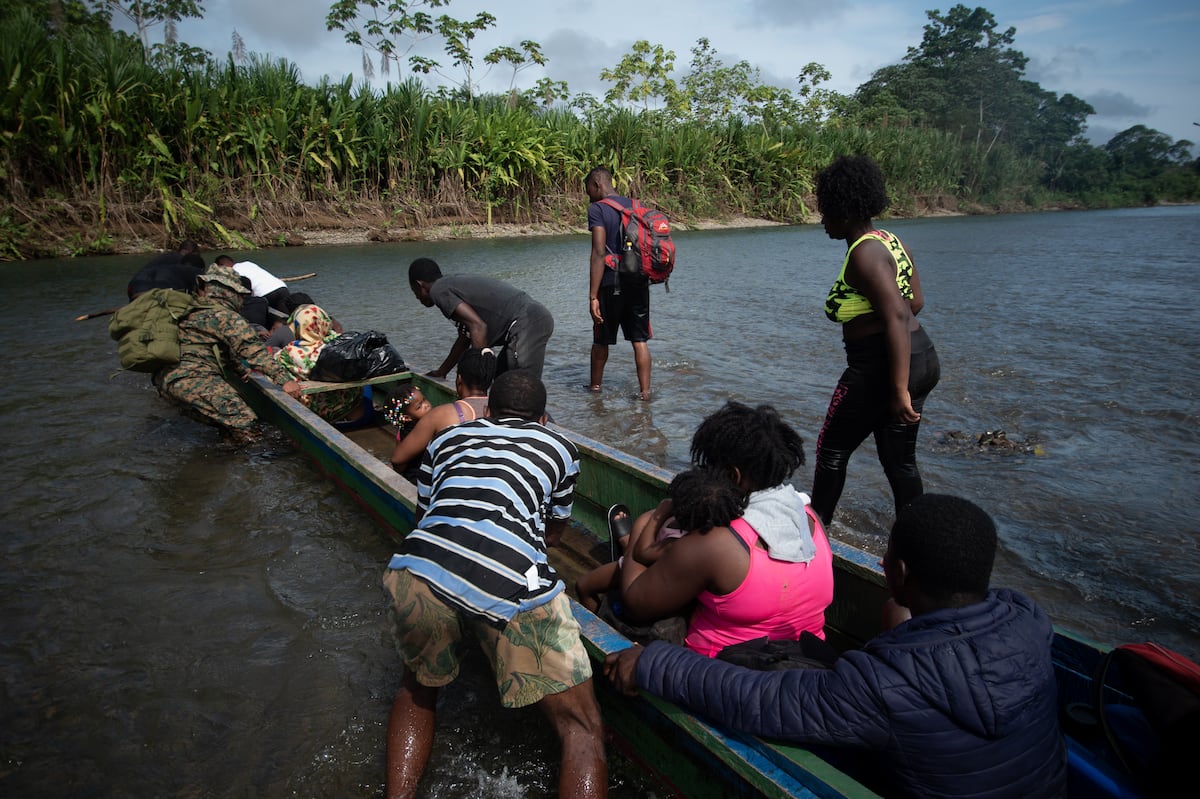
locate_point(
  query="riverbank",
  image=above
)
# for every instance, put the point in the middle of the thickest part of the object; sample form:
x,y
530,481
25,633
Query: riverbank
x,y
339,235
55,229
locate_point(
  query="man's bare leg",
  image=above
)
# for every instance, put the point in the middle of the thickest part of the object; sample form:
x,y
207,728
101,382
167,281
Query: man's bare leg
x,y
641,358
576,718
599,359
410,736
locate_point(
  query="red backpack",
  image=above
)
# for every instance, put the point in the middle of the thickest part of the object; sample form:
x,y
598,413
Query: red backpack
x,y
648,247
1164,687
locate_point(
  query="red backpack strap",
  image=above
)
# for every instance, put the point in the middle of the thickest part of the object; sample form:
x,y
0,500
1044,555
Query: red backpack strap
x,y
611,203
612,260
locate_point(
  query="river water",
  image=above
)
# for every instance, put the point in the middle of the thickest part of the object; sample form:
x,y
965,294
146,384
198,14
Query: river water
x,y
182,621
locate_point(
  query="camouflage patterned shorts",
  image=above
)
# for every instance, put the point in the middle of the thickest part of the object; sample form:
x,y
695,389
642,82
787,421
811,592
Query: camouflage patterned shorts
x,y
537,654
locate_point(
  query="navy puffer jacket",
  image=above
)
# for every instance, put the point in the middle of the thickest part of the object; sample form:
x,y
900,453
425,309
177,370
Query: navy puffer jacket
x,y
957,703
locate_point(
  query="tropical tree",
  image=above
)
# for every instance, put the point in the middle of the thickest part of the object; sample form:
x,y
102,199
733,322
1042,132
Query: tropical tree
x,y
458,36
60,15
715,91
527,55
1142,152
393,30
643,77
147,14
965,77
546,92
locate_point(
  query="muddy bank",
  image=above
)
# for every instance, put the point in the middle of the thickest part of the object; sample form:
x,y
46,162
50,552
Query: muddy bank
x,y
479,231
57,229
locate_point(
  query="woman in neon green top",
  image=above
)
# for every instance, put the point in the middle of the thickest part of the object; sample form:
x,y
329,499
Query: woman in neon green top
x,y
891,365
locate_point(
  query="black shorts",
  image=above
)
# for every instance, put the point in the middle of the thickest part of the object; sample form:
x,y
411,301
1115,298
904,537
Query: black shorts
x,y
278,299
629,311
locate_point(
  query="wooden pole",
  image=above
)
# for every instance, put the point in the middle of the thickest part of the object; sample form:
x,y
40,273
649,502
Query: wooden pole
x,y
111,311
97,313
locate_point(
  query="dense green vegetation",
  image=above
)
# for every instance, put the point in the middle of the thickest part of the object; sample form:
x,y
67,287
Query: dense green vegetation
x,y
107,138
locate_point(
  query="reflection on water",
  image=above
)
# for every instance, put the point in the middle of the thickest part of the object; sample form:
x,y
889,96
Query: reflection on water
x,y
184,621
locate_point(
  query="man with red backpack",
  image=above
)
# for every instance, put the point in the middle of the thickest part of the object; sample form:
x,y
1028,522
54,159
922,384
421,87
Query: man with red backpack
x,y
615,300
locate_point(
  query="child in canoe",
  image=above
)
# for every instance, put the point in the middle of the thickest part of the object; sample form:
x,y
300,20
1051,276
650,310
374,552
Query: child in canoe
x,y
418,422
698,500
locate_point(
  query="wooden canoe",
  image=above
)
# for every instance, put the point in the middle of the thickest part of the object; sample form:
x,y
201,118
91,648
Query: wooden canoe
x,y
684,753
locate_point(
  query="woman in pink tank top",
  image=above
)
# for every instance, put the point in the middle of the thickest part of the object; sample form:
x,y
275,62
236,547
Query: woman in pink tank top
x,y
769,573
777,599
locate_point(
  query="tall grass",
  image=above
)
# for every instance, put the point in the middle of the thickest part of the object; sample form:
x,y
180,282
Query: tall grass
x,y
93,129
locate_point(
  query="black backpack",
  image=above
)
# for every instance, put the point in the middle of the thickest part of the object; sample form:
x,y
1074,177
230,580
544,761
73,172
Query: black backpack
x,y
763,654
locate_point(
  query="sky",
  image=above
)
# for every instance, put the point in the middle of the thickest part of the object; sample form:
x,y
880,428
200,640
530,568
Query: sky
x,y
1136,61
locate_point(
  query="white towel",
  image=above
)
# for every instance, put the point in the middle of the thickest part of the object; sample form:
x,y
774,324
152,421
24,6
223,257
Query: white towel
x,y
777,515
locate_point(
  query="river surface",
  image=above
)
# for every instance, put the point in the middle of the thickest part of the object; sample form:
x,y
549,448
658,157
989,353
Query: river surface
x,y
177,620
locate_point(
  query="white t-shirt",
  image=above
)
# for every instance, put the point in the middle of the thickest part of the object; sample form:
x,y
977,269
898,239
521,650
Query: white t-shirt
x,y
262,282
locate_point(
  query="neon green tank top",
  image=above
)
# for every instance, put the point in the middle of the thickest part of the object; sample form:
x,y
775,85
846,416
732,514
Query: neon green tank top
x,y
845,302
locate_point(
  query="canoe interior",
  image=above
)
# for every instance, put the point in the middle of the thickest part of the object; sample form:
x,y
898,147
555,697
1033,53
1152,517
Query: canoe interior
x,y
688,756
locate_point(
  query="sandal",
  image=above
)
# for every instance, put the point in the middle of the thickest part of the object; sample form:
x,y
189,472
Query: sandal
x,y
620,525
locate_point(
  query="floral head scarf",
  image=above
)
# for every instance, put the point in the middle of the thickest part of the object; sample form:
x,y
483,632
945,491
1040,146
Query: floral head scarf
x,y
312,328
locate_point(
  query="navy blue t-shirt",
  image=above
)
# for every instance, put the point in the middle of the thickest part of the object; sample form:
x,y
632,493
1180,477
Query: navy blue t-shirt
x,y
605,216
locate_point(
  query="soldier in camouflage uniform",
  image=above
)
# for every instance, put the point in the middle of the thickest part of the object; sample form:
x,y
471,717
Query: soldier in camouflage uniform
x,y
215,341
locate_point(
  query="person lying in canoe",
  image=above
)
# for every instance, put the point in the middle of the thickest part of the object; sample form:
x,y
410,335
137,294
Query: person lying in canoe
x,y
697,501
405,411
472,380
767,573
279,336
959,700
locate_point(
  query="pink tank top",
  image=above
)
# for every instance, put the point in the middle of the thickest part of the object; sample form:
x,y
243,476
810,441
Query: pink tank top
x,y
777,599
476,408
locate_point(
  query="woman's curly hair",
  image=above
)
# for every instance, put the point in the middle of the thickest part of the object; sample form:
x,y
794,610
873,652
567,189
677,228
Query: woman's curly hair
x,y
851,188
755,441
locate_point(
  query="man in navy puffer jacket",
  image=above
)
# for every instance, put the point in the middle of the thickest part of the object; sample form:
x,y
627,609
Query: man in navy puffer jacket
x,y
957,701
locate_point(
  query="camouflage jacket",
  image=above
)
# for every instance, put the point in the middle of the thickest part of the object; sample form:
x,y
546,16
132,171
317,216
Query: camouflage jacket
x,y
212,337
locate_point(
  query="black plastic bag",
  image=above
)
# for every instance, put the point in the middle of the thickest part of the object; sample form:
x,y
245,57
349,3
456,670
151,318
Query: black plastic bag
x,y
356,356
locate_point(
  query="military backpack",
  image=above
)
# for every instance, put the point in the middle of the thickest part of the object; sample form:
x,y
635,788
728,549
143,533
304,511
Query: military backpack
x,y
147,329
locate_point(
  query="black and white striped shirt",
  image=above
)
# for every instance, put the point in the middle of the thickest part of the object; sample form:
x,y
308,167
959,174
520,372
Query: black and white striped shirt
x,y
487,488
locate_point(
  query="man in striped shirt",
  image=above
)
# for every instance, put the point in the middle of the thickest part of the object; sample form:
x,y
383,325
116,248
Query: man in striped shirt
x,y
492,495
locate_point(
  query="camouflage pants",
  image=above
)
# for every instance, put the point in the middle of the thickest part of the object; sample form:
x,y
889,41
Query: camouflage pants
x,y
213,399
537,654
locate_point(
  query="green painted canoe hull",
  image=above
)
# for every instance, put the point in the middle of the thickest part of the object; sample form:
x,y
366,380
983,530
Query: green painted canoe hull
x,y
684,753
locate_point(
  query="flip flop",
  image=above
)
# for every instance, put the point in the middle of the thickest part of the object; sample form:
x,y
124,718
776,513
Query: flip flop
x,y
618,527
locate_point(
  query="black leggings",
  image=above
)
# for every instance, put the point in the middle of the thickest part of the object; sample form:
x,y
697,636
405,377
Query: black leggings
x,y
861,406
